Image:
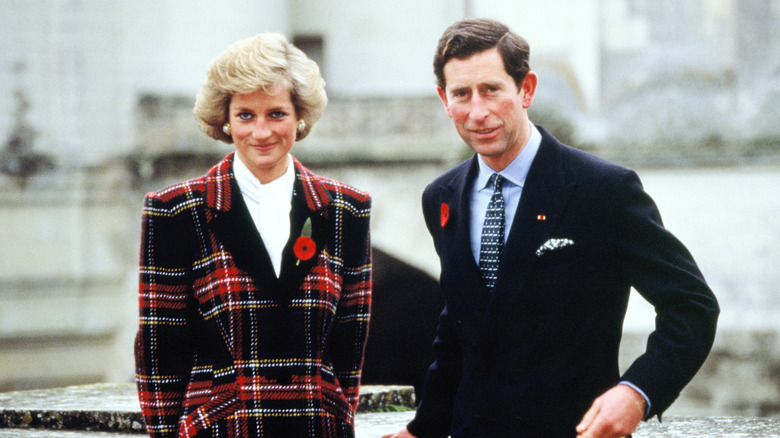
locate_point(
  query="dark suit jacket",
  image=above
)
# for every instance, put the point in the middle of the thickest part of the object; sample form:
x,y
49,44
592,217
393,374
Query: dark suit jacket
x,y
224,348
530,359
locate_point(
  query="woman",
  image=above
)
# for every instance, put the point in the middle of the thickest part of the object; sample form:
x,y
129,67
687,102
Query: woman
x,y
255,278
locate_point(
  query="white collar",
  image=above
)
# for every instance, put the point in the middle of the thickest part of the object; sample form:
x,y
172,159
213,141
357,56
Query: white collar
x,y
279,190
269,205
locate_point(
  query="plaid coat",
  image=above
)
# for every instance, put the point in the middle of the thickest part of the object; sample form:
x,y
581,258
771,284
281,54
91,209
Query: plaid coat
x,y
224,347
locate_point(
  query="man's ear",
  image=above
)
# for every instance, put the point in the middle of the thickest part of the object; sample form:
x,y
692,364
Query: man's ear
x,y
443,97
528,88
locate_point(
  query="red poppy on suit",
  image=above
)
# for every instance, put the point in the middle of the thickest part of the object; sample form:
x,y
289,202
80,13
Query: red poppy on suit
x,y
445,214
304,248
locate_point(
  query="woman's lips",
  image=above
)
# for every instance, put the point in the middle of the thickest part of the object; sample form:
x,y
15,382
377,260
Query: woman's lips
x,y
264,148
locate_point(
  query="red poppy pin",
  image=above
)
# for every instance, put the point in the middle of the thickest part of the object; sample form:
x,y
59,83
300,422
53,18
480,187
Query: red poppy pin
x,y
304,247
445,214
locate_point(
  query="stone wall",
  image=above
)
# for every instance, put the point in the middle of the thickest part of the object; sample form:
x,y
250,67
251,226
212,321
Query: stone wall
x,y
407,129
68,241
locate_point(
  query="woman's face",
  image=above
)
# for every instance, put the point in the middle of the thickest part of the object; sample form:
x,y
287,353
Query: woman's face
x,y
263,128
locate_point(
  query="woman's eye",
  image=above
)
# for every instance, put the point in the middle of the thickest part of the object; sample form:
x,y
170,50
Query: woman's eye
x,y
278,114
244,116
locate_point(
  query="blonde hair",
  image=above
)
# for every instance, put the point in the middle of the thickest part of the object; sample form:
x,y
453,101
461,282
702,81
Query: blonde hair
x,y
260,62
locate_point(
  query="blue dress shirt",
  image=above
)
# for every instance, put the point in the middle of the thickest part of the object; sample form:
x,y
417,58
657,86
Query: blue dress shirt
x,y
514,179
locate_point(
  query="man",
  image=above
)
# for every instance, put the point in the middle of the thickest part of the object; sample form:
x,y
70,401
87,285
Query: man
x,y
537,265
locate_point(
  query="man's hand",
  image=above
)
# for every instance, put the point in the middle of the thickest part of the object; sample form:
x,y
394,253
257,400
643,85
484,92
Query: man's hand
x,y
400,434
616,413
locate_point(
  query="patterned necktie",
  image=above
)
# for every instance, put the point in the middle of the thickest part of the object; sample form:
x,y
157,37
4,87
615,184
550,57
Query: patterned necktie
x,y
492,245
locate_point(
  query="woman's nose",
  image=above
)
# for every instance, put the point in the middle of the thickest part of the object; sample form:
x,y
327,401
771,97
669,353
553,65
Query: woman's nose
x,y
261,130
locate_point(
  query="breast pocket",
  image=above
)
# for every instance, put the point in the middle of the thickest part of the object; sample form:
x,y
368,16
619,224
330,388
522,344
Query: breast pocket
x,y
559,277
560,260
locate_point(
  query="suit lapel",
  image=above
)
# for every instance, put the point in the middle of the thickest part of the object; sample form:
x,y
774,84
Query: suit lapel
x,y
233,226
295,269
472,293
310,202
544,199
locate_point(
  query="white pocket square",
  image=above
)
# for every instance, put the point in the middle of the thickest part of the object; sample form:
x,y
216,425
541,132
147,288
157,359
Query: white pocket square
x,y
552,245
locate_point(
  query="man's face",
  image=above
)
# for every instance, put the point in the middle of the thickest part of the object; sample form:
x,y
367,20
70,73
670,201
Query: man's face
x,y
487,107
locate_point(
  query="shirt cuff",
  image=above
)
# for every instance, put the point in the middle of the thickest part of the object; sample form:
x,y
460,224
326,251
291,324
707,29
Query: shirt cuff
x,y
642,393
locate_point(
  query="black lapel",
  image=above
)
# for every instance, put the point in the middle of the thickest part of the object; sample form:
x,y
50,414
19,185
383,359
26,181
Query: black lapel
x,y
294,269
472,292
236,230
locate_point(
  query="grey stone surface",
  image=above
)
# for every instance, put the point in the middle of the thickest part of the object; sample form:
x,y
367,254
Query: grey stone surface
x,y
111,411
367,425
99,407
49,433
701,427
374,425
382,398
114,407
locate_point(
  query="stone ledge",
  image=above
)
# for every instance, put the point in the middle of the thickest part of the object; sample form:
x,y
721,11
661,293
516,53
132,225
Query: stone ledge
x,y
374,425
113,407
111,411
700,427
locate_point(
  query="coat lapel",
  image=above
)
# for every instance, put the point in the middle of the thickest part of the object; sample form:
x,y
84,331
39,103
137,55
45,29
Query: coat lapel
x,y
233,226
471,293
311,200
295,269
544,199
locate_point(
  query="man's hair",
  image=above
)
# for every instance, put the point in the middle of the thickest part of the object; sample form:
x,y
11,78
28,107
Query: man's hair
x,y
469,37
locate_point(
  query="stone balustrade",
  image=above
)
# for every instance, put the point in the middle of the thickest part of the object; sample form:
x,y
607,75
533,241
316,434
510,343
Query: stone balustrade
x,y
111,411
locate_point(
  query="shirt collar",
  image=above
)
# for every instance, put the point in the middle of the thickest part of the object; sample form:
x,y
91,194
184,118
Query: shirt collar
x,y
250,186
517,170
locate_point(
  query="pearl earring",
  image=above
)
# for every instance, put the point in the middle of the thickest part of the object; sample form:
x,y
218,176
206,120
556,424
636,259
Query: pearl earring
x,y
301,126
226,128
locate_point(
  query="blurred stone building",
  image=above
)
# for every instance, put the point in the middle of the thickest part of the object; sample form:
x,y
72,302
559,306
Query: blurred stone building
x,y
96,99
112,79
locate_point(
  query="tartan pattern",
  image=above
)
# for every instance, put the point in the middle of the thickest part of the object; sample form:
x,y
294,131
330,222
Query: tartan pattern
x,y
221,353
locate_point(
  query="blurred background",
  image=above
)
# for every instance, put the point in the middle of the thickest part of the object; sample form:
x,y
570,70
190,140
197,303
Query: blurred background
x,y
96,109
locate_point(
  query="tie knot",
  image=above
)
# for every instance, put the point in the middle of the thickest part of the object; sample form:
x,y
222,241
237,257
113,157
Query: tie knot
x,y
496,181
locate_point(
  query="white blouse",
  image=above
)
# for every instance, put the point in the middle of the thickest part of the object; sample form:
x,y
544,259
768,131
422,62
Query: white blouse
x,y
269,205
